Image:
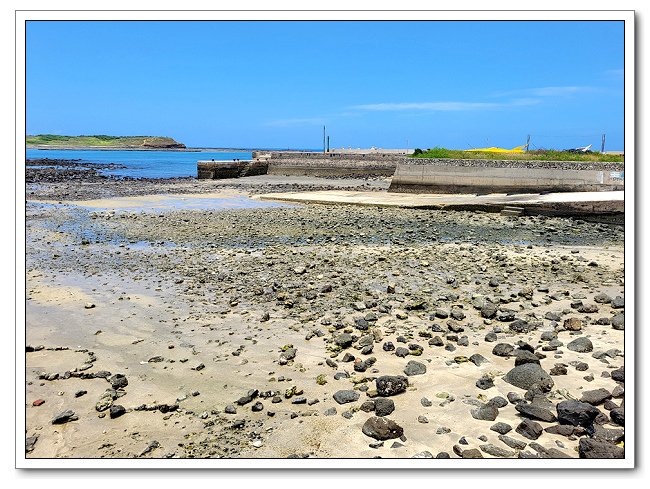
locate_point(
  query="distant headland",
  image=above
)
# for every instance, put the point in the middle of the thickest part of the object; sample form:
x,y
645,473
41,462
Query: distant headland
x,y
54,141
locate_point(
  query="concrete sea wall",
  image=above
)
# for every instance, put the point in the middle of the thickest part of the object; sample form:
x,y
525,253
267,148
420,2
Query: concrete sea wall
x,y
212,170
504,176
330,164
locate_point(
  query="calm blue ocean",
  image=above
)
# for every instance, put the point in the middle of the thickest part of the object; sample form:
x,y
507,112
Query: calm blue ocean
x,y
142,164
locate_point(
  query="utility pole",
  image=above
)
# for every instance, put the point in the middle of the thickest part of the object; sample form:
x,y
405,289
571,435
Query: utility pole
x,y
328,144
602,145
323,139
527,142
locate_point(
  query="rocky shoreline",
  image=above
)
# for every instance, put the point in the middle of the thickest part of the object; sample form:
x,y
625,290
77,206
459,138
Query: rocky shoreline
x,y
317,331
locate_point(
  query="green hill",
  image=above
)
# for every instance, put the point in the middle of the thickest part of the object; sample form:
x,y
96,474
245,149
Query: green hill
x,y
102,141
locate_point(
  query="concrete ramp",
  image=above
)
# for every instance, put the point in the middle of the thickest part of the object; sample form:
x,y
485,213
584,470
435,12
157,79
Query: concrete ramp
x,y
560,204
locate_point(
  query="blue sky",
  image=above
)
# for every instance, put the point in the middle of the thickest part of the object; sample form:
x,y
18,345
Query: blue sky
x,y
382,83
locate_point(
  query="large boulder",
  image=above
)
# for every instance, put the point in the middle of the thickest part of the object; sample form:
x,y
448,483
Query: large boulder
x,y
390,385
382,428
576,413
526,375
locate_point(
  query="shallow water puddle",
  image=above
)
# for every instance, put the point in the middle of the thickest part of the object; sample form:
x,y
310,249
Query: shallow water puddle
x,y
215,201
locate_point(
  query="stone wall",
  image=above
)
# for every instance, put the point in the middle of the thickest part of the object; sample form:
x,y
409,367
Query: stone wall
x,y
212,170
329,164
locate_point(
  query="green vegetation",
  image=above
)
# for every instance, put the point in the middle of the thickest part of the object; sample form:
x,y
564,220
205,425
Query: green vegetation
x,y
102,141
538,154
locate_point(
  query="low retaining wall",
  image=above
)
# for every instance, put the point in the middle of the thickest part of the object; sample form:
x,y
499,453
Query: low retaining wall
x,y
330,164
487,176
212,170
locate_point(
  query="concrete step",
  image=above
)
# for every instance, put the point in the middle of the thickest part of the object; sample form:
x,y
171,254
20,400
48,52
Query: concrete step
x,y
512,211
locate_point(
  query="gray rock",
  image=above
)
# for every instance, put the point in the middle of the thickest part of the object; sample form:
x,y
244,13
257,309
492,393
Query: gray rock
x,y
116,411
345,396
30,441
581,345
485,383
344,340
591,448
520,326
501,428
596,396
330,411
230,409
618,322
495,451
618,302
426,402
383,406
390,385
401,352
485,413
118,381
415,368
535,411
576,413
524,356
529,429
498,402
478,359
513,442
525,376
619,374
618,416
489,310
503,350
424,454
491,337
381,428
64,417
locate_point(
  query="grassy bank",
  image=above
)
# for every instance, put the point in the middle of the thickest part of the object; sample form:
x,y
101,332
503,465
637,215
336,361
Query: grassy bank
x,y
540,154
102,141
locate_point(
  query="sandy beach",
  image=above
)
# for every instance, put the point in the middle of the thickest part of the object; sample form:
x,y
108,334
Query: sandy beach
x,y
182,319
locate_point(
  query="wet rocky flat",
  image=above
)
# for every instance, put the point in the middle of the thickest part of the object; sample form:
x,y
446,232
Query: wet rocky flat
x,y
320,331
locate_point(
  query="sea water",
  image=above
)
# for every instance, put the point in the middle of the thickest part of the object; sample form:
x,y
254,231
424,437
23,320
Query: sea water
x,y
142,164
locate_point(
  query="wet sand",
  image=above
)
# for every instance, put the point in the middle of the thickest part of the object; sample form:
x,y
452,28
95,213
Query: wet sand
x,y
197,306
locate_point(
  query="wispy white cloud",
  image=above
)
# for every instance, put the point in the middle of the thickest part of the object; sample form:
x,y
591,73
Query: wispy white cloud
x,y
304,121
614,74
553,91
447,106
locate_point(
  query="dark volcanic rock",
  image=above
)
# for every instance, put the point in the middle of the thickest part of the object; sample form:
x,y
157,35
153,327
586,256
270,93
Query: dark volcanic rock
x,y
382,428
64,417
501,428
383,406
503,350
346,396
591,448
478,359
485,383
524,356
576,413
619,374
618,416
118,381
415,368
529,429
581,345
525,376
596,397
116,411
521,326
344,340
390,385
485,413
535,411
